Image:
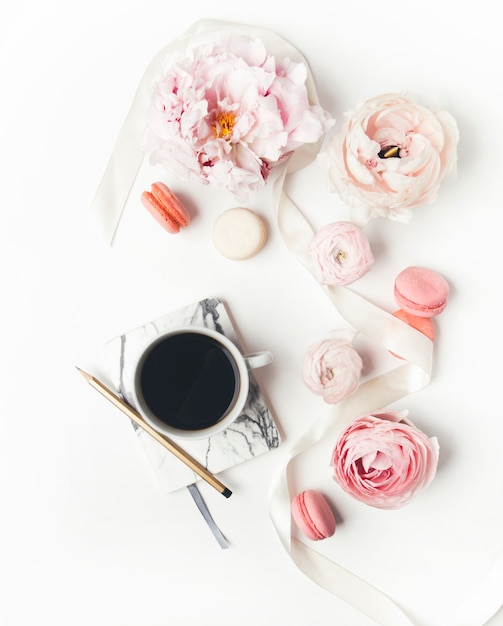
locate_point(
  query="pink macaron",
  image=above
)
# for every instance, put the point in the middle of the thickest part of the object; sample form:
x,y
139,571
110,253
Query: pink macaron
x,y
421,291
313,515
165,207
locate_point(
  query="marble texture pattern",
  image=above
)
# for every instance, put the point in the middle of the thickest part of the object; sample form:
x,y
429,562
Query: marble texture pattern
x,y
253,433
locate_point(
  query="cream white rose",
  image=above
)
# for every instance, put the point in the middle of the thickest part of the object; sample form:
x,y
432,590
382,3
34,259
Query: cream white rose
x,y
391,155
331,368
341,254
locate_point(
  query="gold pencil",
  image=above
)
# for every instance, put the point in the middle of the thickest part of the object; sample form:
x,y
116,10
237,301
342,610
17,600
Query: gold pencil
x,y
170,445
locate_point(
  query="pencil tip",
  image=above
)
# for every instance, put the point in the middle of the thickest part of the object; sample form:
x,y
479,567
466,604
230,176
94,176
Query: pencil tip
x,y
84,374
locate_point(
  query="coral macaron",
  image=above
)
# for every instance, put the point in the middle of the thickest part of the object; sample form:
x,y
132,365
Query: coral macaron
x,y
313,515
422,324
165,207
421,291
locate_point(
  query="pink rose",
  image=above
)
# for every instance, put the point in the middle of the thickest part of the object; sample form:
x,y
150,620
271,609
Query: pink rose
x,y
228,112
341,254
383,460
391,155
331,368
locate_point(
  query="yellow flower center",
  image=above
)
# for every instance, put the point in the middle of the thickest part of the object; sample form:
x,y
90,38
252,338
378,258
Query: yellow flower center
x,y
388,152
341,256
224,124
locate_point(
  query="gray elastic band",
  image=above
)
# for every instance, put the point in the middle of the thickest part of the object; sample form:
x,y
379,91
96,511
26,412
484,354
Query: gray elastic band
x,y
201,505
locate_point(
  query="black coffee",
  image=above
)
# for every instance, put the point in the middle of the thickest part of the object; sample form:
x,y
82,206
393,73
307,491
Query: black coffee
x,y
189,381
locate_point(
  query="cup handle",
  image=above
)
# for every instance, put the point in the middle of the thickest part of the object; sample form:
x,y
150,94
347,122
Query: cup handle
x,y
257,359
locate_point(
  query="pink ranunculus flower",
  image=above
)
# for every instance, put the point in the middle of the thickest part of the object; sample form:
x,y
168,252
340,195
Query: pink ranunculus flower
x,y
341,254
331,368
228,112
383,460
391,155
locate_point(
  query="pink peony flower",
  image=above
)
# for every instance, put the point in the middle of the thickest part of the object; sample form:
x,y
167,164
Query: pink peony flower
x,y
383,460
341,254
331,368
391,155
229,112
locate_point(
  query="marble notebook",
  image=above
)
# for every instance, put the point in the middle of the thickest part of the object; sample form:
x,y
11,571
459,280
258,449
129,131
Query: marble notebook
x,y
254,432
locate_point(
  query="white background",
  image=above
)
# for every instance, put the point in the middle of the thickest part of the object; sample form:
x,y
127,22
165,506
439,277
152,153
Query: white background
x,y
86,536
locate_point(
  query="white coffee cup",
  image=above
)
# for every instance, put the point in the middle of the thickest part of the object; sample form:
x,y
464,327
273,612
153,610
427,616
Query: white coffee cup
x,y
192,382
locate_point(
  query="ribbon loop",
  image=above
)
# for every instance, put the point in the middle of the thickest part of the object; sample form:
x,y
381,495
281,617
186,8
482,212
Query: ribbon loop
x,y
376,393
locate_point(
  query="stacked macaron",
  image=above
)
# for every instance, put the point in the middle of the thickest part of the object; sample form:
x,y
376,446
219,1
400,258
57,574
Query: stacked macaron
x,y
421,294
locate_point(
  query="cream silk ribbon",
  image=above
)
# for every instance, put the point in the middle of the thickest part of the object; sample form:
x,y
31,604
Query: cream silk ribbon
x,y
372,395
387,331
